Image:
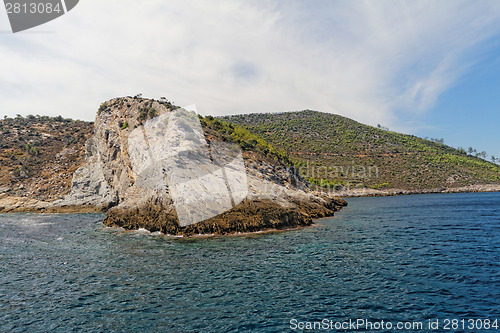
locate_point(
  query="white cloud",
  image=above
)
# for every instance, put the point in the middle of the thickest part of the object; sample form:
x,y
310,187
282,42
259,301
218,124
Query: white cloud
x,y
365,59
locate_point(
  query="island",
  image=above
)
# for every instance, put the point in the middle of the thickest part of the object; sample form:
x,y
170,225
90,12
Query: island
x,y
117,165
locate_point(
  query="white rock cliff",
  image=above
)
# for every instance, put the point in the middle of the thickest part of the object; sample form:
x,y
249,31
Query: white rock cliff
x,y
150,164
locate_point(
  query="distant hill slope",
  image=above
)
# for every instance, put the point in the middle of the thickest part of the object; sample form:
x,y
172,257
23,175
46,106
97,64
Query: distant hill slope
x,y
335,151
39,154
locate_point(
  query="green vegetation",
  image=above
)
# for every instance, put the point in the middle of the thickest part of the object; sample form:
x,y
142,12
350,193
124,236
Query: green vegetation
x,y
143,114
146,113
379,186
332,150
101,108
245,139
37,150
152,113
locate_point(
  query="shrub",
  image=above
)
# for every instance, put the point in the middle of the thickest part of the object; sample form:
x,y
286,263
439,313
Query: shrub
x,y
152,113
143,114
101,108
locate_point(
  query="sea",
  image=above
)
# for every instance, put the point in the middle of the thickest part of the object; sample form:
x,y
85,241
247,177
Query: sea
x,y
417,263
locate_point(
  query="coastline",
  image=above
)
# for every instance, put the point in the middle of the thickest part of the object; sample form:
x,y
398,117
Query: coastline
x,y
231,234
368,192
248,217
14,204
26,205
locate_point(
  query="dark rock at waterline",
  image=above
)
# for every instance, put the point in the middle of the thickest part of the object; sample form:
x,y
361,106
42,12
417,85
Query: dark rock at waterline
x,y
248,216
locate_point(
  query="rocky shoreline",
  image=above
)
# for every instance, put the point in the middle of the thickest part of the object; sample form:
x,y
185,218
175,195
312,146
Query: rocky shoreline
x,y
14,204
368,192
247,217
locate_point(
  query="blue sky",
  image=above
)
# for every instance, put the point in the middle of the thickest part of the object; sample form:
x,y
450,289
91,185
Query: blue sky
x,y
468,114
429,68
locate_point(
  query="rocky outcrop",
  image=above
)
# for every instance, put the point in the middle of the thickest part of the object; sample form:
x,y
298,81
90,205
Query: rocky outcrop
x,y
144,152
89,189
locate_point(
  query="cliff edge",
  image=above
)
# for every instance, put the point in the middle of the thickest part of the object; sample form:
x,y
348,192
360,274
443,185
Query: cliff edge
x,y
155,166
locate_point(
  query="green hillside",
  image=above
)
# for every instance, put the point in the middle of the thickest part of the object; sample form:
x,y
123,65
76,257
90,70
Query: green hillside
x,y
334,151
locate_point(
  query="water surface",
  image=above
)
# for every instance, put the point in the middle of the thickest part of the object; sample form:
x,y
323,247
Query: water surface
x,y
407,258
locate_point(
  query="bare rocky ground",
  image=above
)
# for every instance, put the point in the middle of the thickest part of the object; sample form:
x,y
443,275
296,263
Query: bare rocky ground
x,y
38,157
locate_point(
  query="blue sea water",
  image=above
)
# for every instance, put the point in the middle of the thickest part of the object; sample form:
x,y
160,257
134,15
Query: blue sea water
x,y
397,259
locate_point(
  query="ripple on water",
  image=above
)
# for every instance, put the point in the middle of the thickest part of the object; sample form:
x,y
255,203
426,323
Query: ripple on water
x,y
394,258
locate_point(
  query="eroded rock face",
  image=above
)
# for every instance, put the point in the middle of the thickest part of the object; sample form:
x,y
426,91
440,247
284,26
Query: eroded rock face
x,y
151,165
89,186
